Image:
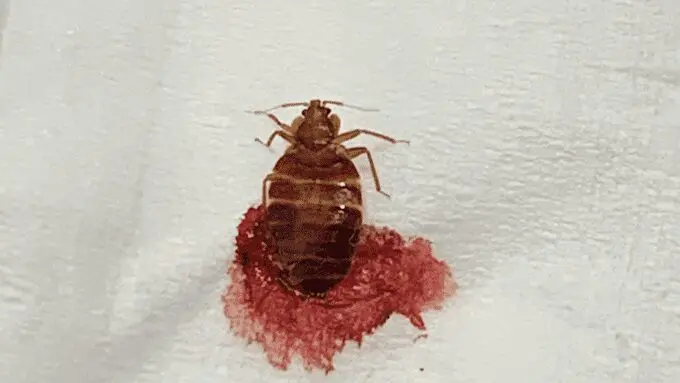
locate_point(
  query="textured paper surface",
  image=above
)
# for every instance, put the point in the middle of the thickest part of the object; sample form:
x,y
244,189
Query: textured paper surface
x,y
544,164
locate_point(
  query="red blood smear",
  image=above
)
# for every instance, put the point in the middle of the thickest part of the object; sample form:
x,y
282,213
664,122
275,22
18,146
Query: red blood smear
x,y
389,275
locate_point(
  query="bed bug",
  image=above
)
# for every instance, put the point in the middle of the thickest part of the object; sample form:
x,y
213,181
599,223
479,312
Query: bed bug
x,y
313,198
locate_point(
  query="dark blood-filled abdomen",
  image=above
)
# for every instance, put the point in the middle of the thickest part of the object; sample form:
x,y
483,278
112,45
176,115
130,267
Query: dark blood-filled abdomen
x,y
313,216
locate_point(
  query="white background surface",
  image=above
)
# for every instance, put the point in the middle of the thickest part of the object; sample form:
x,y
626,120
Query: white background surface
x,y
544,164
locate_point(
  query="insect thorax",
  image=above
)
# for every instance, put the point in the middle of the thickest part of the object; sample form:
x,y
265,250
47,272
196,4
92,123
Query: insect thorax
x,y
315,134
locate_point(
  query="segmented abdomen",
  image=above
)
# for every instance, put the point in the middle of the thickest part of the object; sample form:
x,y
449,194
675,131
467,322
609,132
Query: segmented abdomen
x,y
314,216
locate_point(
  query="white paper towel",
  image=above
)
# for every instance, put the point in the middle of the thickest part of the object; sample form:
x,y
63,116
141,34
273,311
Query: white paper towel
x,y
544,164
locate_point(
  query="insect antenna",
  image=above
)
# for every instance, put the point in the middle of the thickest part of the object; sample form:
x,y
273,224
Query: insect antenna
x,y
286,105
339,103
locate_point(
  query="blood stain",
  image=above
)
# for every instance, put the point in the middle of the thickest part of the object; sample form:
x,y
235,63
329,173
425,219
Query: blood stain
x,y
389,274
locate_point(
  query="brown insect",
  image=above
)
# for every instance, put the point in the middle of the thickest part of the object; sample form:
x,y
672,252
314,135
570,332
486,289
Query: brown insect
x,y
314,203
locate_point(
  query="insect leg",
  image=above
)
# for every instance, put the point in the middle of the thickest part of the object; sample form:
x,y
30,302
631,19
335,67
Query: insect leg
x,y
353,133
285,135
276,120
355,152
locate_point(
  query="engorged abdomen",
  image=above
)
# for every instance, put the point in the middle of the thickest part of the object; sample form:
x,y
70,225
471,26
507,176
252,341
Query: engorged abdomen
x,y
314,216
